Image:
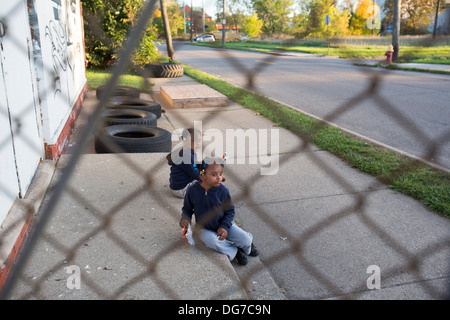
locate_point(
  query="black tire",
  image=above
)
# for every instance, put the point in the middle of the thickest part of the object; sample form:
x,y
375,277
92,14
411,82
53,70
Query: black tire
x,y
152,70
165,70
133,139
113,117
134,103
123,91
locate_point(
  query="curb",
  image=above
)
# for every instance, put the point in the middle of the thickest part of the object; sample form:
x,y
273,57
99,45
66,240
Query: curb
x,y
18,223
415,67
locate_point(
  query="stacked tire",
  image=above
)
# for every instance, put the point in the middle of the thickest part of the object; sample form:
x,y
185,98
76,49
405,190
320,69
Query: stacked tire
x,y
129,124
164,70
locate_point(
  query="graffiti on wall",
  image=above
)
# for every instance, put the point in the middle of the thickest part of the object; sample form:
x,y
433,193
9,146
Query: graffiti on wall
x,y
59,32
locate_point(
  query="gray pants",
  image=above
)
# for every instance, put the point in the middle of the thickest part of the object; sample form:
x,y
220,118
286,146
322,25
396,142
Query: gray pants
x,y
237,238
181,193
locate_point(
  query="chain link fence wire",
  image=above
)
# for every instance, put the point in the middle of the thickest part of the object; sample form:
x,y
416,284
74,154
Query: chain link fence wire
x,y
296,245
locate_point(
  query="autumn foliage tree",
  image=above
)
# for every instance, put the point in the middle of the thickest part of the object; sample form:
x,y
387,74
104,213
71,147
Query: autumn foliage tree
x,y
174,17
274,14
365,18
252,26
310,23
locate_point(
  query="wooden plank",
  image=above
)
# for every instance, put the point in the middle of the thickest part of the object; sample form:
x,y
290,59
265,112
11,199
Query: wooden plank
x,y
193,96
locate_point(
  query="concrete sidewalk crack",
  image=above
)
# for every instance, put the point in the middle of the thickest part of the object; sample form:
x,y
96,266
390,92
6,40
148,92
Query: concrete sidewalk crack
x,y
310,198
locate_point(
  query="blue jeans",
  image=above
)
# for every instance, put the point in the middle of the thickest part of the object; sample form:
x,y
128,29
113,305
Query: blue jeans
x,y
237,238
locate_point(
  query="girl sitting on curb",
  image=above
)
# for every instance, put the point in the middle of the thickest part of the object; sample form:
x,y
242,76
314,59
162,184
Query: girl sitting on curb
x,y
210,201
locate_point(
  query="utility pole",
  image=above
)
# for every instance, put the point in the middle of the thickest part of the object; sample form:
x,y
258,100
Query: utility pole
x,y
396,28
436,20
203,15
373,16
165,19
191,24
223,24
184,19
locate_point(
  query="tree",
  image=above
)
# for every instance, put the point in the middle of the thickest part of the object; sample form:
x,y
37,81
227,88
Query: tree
x,y
167,32
252,26
235,16
107,24
340,20
311,21
416,15
173,15
212,26
273,13
365,17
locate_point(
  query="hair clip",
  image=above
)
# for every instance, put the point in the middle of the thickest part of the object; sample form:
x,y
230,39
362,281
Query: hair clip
x,y
225,157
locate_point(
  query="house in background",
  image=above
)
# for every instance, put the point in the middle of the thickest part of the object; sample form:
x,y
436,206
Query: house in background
x,y
42,88
229,28
197,18
443,25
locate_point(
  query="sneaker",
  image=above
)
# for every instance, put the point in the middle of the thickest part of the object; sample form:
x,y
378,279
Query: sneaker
x,y
254,252
241,257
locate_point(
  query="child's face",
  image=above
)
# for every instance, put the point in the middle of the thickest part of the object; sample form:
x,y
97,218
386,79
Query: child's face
x,y
213,176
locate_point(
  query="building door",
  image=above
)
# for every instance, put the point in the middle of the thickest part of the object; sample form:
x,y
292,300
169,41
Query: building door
x,y
9,186
19,108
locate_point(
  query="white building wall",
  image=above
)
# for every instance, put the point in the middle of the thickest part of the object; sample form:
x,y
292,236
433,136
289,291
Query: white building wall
x,y
19,108
9,185
62,66
42,85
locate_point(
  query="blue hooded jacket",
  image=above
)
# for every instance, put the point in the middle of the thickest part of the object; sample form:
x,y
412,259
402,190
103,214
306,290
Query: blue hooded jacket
x,y
206,205
182,174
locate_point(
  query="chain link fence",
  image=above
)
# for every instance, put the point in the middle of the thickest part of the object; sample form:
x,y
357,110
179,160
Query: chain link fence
x,y
104,220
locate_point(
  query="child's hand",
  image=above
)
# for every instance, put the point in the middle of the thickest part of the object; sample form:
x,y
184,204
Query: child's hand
x,y
184,223
222,233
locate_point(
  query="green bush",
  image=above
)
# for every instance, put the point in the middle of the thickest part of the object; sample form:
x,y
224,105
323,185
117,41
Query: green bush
x,y
107,25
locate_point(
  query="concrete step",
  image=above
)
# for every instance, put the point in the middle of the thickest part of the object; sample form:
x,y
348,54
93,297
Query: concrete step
x,y
192,96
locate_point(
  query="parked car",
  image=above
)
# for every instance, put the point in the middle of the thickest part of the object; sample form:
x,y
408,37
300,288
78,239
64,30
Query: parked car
x,y
207,37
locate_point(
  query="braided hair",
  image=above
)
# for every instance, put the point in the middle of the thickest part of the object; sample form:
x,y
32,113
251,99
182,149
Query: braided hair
x,y
208,161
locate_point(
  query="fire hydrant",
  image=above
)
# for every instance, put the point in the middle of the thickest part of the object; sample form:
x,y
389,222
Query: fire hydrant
x,y
389,53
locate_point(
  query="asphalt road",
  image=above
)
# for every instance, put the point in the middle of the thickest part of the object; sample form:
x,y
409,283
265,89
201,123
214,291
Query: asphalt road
x,y
409,111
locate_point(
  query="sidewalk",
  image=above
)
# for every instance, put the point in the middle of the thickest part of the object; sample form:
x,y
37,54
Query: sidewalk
x,y
123,233
407,66
139,253
424,66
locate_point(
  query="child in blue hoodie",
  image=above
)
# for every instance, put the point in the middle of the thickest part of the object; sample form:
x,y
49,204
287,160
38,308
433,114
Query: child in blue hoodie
x,y
210,201
182,168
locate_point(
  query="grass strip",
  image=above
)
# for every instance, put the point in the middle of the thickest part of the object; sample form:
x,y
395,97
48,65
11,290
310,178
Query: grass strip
x,y
409,176
96,78
412,54
344,51
394,66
